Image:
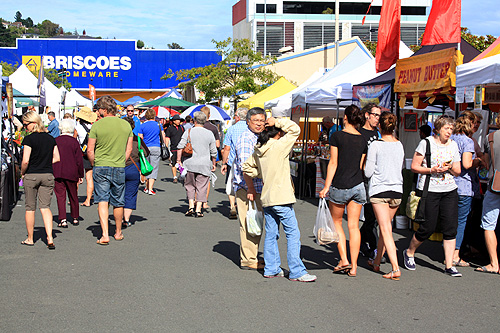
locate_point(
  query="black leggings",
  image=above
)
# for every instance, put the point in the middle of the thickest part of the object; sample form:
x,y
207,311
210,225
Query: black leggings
x,y
442,206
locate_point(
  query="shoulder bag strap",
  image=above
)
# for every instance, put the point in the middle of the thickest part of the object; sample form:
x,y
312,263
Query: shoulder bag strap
x,y
189,135
86,140
492,151
428,161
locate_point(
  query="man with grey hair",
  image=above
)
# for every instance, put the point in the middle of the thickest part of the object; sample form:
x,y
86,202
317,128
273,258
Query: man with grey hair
x,y
53,128
232,135
248,189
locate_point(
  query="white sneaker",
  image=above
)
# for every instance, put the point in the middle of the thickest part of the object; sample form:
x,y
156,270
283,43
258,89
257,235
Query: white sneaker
x,y
146,191
305,278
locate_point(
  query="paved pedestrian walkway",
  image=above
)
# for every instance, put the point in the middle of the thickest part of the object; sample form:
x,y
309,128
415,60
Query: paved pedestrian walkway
x,y
178,274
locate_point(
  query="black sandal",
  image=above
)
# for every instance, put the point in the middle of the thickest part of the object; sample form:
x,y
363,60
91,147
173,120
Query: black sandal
x,y
62,224
198,214
190,212
75,222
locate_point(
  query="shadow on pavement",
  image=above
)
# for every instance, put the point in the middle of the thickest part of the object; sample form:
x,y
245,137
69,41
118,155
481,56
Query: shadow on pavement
x,y
39,234
230,250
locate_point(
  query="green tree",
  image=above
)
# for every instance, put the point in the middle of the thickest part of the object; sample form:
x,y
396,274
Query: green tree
x,y
7,37
28,23
18,17
140,44
479,42
233,74
48,28
175,46
52,75
8,69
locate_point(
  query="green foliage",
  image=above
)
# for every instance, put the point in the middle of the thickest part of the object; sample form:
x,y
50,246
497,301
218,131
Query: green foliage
x,y
48,28
175,46
479,42
140,44
8,69
18,17
51,75
328,10
233,74
7,37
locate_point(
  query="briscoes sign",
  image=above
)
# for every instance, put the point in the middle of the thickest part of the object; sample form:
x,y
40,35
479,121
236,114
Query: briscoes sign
x,y
106,64
427,71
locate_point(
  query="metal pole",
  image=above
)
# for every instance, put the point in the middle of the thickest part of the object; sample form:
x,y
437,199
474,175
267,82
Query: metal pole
x,y
303,158
265,28
337,34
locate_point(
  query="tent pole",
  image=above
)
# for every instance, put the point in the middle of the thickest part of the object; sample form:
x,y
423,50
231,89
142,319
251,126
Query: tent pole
x,y
303,159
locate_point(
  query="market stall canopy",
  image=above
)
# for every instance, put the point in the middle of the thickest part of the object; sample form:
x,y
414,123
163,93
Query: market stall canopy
x,y
133,101
166,101
355,59
427,75
173,93
484,71
216,113
282,106
24,81
278,88
21,100
492,50
74,98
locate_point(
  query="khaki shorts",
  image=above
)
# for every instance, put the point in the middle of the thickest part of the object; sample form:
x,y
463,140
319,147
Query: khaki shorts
x,y
393,203
39,185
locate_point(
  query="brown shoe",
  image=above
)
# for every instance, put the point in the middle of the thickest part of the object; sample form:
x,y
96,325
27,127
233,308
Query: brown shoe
x,y
233,215
255,267
175,180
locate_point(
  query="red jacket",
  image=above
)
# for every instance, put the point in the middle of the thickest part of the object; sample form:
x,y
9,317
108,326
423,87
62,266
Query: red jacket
x,y
71,164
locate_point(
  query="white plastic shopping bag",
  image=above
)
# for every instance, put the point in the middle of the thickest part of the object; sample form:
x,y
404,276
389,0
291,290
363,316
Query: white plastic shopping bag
x,y
324,230
255,220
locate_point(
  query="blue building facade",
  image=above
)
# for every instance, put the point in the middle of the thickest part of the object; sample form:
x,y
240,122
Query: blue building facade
x,y
105,63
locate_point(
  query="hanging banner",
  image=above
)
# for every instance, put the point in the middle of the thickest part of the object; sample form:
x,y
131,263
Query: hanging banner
x,y
378,94
10,99
92,93
429,71
492,95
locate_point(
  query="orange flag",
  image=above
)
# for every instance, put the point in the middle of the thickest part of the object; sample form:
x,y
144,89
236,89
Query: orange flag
x,y
92,92
389,32
443,24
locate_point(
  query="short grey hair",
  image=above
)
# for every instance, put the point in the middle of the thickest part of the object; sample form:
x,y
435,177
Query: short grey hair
x,y
254,111
67,126
241,112
200,117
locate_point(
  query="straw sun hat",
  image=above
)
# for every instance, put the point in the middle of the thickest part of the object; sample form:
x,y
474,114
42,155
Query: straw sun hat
x,y
86,114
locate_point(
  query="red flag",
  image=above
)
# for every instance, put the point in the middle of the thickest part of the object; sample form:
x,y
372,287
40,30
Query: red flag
x,y
364,17
389,32
92,92
443,24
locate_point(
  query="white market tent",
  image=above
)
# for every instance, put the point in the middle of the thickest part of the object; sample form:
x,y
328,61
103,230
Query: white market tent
x,y
75,99
484,71
282,106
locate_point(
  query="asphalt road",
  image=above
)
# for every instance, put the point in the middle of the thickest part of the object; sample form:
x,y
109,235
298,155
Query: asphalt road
x,y
178,274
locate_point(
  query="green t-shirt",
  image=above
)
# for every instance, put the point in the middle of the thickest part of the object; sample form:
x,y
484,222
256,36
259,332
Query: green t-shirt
x,y
111,134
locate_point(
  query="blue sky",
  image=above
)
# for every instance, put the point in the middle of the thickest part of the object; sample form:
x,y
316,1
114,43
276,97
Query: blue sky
x,y
190,23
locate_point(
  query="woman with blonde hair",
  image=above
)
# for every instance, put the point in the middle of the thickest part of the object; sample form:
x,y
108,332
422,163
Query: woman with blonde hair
x,y
384,162
40,151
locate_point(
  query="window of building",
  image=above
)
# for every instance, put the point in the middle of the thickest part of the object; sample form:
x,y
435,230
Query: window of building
x,y
347,8
271,8
316,34
275,39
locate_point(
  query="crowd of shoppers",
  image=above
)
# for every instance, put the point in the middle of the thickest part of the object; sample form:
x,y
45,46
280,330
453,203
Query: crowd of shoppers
x,y
365,169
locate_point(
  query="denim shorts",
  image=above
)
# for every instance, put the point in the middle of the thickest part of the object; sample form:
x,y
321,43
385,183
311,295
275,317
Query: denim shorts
x,y
109,185
491,209
343,196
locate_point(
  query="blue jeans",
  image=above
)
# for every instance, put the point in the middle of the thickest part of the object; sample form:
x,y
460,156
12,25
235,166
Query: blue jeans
x,y
132,180
286,216
109,185
464,205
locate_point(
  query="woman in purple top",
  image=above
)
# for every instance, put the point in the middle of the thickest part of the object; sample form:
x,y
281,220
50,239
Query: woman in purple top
x,y
68,172
461,135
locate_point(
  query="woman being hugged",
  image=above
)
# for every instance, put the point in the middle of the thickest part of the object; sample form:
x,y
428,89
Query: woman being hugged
x,y
384,162
40,151
271,163
344,185
442,198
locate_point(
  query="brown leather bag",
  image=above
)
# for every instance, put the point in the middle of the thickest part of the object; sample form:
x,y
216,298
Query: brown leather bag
x,y
188,149
495,178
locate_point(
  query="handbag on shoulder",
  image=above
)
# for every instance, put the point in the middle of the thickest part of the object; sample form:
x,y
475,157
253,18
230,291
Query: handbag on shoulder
x,y
415,206
188,149
494,184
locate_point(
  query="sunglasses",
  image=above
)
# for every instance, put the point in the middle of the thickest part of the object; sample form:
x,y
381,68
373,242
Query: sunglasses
x,y
26,125
376,115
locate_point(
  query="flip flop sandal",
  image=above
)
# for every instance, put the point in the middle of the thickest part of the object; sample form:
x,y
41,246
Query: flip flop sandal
x,y
104,243
341,269
119,238
349,274
51,246
483,269
461,263
374,267
76,222
27,244
391,276
190,212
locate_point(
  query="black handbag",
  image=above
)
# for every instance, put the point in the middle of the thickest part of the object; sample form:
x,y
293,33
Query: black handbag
x,y
164,152
420,214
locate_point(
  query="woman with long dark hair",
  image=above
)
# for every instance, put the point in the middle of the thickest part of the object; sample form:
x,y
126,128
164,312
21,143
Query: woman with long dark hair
x,y
270,162
344,186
